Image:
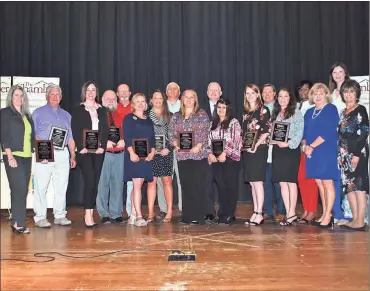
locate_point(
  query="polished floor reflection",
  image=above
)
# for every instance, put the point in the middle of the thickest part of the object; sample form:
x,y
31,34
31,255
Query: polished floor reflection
x,y
236,257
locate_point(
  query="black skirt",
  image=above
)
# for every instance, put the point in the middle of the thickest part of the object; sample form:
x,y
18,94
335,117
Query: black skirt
x,y
254,165
285,164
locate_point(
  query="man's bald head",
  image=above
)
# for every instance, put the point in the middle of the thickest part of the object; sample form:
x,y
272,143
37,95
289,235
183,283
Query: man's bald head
x,y
109,100
123,93
214,91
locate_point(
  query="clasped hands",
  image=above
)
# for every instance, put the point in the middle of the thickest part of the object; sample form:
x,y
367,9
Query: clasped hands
x,y
221,158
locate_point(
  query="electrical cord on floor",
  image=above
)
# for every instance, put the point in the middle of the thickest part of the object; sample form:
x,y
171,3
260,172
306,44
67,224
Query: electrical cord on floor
x,y
52,258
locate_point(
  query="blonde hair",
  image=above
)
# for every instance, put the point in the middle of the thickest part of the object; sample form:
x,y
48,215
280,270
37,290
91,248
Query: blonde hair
x,y
247,106
315,88
132,104
196,102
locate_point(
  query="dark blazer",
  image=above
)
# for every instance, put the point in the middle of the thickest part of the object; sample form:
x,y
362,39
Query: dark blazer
x,y
81,120
12,130
207,109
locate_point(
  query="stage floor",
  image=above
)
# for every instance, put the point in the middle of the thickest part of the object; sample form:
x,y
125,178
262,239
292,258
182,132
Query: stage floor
x,y
236,257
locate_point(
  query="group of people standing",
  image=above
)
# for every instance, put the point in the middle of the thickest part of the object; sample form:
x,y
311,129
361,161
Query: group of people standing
x,y
326,152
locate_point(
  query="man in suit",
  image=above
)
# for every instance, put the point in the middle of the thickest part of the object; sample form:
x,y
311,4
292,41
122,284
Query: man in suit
x,y
214,93
269,96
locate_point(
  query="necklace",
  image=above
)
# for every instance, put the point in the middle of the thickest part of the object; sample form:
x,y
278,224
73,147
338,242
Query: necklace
x,y
316,114
348,111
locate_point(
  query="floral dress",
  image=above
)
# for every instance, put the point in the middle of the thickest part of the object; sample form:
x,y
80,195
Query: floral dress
x,y
254,164
353,132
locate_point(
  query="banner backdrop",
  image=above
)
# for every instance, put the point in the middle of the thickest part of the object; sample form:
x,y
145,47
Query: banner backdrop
x,y
364,83
35,88
6,83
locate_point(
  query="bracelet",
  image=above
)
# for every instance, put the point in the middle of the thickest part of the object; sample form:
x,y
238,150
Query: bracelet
x,y
312,147
12,159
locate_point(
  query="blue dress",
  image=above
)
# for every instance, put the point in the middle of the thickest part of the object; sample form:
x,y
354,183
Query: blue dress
x,y
135,127
323,163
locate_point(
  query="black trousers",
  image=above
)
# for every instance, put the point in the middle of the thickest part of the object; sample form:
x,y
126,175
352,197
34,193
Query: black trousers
x,y
210,195
226,176
90,165
193,185
19,179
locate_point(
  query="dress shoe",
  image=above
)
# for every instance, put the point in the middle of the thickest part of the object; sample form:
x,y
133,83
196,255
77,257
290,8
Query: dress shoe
x,y
119,219
194,222
105,220
225,220
182,221
209,218
268,217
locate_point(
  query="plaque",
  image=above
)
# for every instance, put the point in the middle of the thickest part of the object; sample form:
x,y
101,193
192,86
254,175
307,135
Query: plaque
x,y
91,140
218,146
59,137
250,139
279,132
141,147
44,150
114,134
160,143
185,141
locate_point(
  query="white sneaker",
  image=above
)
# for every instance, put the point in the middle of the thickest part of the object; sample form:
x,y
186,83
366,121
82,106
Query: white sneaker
x,y
62,221
43,223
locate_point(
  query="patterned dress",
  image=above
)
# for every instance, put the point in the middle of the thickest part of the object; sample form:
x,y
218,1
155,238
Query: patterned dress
x,y
254,164
162,165
353,133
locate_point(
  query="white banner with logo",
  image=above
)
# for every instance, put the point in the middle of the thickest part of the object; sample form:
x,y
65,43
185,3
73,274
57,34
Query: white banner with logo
x,y
6,83
35,88
364,84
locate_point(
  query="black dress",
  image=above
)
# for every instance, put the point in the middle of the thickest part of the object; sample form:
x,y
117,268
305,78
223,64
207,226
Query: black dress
x,y
254,165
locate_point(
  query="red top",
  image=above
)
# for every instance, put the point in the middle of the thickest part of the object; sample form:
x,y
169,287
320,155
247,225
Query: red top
x,y
118,116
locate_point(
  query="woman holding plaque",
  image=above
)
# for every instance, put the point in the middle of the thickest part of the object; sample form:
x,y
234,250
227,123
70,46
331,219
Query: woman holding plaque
x,y
90,131
140,143
188,133
256,122
224,144
354,153
163,159
286,153
320,141
17,137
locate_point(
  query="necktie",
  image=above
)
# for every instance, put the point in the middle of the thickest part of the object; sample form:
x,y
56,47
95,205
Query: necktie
x,y
111,121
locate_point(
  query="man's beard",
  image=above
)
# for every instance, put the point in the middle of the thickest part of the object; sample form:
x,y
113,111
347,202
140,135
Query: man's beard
x,y
111,108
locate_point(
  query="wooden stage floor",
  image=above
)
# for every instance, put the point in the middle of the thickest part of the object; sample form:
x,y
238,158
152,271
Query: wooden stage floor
x,y
237,257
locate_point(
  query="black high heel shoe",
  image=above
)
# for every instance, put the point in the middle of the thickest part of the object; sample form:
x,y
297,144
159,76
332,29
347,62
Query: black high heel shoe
x,y
89,226
22,230
329,225
253,223
285,222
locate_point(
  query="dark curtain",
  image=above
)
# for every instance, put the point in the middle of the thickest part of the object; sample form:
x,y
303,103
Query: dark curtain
x,y
149,44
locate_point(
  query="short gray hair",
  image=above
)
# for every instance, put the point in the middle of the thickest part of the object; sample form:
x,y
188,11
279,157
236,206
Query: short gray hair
x,y
25,110
178,87
53,86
